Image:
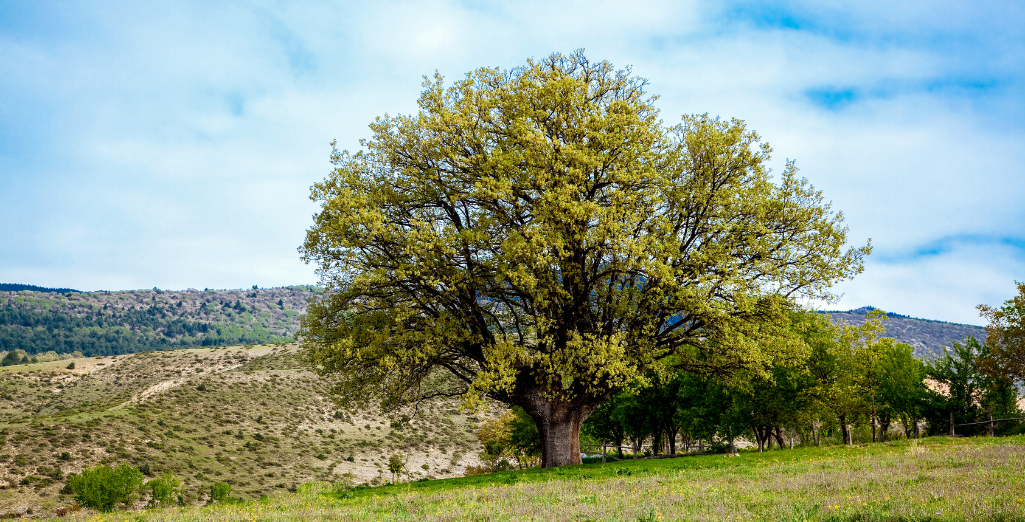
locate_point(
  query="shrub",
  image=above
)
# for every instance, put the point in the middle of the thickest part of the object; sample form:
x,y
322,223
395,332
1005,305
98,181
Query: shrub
x,y
102,488
219,492
165,491
71,366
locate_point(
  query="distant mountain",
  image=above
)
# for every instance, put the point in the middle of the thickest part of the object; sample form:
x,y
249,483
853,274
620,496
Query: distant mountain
x,y
112,323
928,336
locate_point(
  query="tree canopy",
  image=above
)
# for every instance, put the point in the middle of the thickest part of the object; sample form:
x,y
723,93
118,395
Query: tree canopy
x,y
1005,335
541,237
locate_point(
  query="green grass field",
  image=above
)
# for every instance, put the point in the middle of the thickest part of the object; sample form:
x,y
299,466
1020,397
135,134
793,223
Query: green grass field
x,y
935,479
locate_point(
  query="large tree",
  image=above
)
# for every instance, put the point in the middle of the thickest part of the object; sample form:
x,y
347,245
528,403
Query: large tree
x,y
540,237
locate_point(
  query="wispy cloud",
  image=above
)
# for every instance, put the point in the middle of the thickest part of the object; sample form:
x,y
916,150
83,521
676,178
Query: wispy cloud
x,y
173,144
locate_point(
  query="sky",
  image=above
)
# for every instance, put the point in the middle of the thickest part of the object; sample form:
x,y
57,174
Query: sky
x,y
173,144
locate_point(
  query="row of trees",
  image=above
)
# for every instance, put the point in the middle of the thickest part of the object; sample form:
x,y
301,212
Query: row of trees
x,y
849,376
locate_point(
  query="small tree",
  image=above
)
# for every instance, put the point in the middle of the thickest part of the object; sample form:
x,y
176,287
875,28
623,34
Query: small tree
x,y
219,492
958,372
395,466
103,488
164,491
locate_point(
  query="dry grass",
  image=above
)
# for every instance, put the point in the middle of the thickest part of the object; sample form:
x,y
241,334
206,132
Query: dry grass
x,y
261,423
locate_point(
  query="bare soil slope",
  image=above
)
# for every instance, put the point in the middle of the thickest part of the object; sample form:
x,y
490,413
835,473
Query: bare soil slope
x,y
249,416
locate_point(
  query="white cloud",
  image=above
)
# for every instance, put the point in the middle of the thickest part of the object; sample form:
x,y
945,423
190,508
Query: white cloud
x,y
174,145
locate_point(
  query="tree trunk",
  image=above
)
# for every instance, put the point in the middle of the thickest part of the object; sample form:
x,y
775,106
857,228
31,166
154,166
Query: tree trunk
x,y
884,426
558,424
672,441
779,437
845,429
873,417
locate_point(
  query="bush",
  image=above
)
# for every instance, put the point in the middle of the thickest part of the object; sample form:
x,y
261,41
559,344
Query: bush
x,y
103,488
165,491
219,492
71,366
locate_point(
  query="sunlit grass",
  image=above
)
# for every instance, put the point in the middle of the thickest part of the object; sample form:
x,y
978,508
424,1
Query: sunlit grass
x,y
937,479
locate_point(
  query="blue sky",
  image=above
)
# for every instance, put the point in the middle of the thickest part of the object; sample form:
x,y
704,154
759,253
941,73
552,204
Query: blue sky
x,y
173,144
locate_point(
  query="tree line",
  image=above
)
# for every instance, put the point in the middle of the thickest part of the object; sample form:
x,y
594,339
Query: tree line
x,y
848,380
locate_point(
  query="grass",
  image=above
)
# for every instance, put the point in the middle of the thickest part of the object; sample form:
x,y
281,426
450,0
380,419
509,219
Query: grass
x,y
937,479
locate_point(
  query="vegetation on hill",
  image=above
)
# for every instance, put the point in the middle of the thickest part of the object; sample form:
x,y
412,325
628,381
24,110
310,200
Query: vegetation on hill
x,y
113,323
250,417
9,287
928,337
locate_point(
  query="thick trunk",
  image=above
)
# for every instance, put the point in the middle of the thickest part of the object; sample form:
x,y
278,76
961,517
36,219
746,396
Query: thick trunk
x,y
560,437
558,425
779,437
672,441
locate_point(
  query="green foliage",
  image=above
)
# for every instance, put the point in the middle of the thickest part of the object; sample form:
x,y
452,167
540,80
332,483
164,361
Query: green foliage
x,y
165,490
87,323
1005,335
395,464
219,492
13,357
511,437
539,236
103,488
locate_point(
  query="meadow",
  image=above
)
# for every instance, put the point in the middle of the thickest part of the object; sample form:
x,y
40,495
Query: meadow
x,y
934,479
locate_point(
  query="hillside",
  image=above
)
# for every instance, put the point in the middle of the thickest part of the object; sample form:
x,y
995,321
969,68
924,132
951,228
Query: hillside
x,y
64,321
112,323
926,335
248,416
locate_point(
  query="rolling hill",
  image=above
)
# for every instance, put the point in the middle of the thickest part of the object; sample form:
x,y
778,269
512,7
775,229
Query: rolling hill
x,y
65,321
926,335
252,417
